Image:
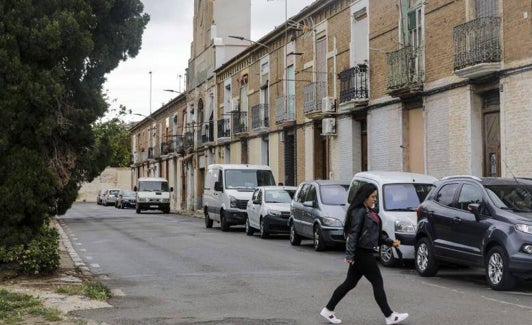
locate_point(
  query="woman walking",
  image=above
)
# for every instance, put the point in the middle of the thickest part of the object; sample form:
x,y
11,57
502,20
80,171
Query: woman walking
x,y
363,228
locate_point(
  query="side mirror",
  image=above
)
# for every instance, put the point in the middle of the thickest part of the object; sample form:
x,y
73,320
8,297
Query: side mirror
x,y
256,201
475,209
171,188
135,188
309,204
218,186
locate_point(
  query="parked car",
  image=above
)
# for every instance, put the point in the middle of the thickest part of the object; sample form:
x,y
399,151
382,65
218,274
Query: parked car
x,y
110,197
101,196
399,195
126,199
476,221
317,212
269,209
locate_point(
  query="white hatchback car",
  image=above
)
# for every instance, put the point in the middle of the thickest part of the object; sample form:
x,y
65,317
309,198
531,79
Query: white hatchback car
x,y
399,195
269,209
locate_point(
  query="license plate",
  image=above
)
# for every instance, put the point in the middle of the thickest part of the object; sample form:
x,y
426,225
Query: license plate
x,y
154,206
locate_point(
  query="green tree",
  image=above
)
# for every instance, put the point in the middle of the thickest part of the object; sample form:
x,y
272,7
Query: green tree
x,y
113,135
54,56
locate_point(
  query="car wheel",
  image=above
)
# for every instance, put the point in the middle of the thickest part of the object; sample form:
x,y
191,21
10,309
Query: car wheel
x,y
426,264
223,223
138,208
166,211
497,273
249,230
386,256
263,233
319,242
208,221
295,239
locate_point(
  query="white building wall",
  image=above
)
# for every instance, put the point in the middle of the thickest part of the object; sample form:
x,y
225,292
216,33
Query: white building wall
x,y
516,125
255,151
385,138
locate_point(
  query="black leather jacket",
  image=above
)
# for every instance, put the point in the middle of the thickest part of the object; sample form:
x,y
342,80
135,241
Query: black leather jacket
x,y
364,233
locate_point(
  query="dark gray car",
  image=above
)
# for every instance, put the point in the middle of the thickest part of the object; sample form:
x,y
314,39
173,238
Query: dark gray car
x,y
476,221
318,212
126,199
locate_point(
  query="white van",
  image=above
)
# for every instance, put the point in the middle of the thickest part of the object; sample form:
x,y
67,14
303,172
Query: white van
x,y
153,193
228,188
399,195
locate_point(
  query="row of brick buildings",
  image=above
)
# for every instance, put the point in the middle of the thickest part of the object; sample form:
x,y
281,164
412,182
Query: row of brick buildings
x,y
439,87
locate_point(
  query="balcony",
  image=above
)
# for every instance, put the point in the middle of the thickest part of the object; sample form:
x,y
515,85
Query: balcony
x,y
285,110
240,123
260,117
206,133
151,154
178,144
313,95
354,87
224,129
405,76
477,47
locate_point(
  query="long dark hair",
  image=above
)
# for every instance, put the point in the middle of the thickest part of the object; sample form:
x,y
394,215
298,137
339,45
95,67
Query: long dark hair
x,y
361,195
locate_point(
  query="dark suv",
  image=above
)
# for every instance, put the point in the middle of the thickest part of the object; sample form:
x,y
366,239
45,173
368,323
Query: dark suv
x,y
477,221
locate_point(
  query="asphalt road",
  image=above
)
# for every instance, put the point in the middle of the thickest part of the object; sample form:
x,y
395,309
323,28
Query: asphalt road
x,y
169,269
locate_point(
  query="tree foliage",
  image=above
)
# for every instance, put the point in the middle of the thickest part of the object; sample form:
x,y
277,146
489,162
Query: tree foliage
x,y
54,55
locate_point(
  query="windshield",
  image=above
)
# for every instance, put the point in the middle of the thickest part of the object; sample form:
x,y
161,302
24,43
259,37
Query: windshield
x,y
279,196
334,194
149,186
128,193
248,178
404,197
113,192
516,197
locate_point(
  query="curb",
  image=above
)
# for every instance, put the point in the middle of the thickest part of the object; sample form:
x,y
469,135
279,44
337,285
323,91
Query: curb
x,y
76,259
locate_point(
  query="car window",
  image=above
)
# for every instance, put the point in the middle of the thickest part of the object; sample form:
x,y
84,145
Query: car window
x,y
404,197
355,185
333,194
516,197
311,194
277,196
113,192
446,194
302,193
469,194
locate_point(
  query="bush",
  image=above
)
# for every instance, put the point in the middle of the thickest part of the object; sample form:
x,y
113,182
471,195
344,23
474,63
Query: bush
x,y
39,256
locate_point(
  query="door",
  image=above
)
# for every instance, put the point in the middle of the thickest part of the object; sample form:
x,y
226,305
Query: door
x,y
310,211
415,146
441,218
468,232
491,134
254,209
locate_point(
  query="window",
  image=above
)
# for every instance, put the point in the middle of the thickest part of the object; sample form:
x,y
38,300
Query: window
x,y
311,195
302,193
446,194
404,197
469,194
353,189
333,194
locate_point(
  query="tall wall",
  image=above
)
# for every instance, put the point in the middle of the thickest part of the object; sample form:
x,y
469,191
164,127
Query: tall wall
x,y
111,177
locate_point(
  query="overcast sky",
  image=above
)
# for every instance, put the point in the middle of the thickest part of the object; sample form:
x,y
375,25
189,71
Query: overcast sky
x,y
166,49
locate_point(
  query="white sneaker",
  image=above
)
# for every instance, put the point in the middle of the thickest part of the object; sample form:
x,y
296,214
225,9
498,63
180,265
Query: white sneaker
x,y
329,315
396,318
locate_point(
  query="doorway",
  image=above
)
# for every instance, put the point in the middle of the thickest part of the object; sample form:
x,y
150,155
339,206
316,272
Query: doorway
x,y
491,134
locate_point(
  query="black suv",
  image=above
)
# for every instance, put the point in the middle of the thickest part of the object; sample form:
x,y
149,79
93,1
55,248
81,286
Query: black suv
x,y
476,221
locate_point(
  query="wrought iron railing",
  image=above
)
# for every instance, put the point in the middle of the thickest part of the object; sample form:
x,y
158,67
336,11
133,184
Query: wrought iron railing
x,y
404,68
285,109
312,96
223,128
477,41
206,132
150,153
260,116
240,122
354,83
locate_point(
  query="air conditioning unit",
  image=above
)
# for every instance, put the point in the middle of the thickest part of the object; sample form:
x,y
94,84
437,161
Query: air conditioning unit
x,y
327,105
328,126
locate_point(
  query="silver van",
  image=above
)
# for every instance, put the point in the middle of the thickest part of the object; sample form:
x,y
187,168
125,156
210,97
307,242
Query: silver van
x,y
228,188
399,195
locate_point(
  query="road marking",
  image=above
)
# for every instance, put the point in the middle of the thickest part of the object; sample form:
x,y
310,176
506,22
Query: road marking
x,y
88,257
95,265
507,303
82,250
78,244
117,293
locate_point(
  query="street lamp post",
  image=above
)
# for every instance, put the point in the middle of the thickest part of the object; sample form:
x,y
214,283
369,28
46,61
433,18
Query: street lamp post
x,y
242,38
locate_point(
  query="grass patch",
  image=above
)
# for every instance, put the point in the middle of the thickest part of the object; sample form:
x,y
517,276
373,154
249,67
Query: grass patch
x,y
93,290
14,307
